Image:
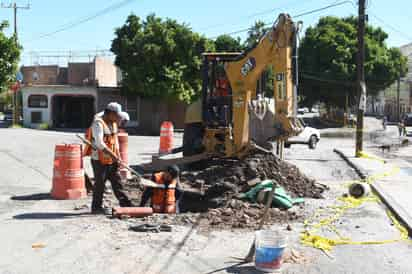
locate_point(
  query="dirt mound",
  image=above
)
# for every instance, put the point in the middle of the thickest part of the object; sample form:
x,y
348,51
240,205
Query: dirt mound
x,y
236,215
211,187
215,182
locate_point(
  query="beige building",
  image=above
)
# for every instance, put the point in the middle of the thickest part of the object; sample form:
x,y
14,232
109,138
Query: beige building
x,y
65,97
68,97
385,103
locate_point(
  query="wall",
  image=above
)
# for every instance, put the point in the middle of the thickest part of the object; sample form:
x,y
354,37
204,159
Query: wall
x,y
150,112
50,91
104,72
46,75
129,104
154,112
79,74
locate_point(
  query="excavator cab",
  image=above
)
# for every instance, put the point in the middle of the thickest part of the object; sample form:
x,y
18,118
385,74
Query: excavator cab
x,y
216,90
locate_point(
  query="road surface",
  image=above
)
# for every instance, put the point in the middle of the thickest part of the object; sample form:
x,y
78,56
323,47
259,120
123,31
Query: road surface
x,y
76,242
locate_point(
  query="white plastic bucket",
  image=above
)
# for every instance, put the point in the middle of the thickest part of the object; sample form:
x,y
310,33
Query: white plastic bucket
x,y
270,246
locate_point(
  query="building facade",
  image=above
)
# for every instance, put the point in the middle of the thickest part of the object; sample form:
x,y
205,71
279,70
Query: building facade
x,y
386,102
68,97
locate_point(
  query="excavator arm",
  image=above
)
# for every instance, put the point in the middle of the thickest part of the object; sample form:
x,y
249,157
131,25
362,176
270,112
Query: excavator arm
x,y
275,48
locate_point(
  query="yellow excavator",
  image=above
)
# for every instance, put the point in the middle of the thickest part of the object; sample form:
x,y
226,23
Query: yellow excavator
x,y
233,115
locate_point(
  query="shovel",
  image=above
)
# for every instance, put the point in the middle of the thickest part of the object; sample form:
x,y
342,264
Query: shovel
x,y
143,181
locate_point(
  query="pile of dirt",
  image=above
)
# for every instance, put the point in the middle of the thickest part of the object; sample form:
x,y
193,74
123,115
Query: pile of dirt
x,y
212,187
237,215
213,183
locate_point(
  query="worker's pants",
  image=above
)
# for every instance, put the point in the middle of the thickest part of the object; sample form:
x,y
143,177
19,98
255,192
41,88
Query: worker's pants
x,y
101,174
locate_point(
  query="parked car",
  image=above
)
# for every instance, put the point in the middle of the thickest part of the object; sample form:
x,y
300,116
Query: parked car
x,y
309,136
301,111
408,124
8,116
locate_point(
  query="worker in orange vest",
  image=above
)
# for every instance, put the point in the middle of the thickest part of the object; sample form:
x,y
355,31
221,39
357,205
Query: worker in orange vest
x,y
103,135
165,198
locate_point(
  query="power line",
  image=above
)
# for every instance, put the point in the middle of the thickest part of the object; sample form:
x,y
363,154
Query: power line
x,y
257,14
322,9
294,16
401,33
15,7
70,25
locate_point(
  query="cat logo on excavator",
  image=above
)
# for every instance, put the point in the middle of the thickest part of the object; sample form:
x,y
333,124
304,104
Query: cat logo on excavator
x,y
249,65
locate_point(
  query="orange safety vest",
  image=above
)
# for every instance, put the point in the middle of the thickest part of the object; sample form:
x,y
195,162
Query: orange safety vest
x,y
163,200
108,139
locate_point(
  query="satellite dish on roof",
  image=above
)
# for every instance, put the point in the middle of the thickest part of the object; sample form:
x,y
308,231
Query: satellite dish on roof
x,y
35,76
19,76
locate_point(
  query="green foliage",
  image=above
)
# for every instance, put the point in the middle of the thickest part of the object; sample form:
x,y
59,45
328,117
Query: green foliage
x,y
44,126
228,43
254,33
160,58
9,58
327,64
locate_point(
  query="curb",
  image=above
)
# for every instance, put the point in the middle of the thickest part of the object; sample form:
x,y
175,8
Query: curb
x,y
360,171
394,208
389,202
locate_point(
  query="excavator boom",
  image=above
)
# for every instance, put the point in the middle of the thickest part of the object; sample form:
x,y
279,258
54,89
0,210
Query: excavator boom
x,y
274,48
221,122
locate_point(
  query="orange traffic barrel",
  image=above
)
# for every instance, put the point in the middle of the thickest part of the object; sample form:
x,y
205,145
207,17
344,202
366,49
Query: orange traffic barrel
x,y
123,147
68,172
132,211
166,138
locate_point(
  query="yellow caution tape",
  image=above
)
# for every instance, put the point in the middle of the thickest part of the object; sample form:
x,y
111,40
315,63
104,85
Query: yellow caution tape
x,y
363,154
310,238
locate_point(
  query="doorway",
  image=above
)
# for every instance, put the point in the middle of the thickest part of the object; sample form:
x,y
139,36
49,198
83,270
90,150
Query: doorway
x,y
72,111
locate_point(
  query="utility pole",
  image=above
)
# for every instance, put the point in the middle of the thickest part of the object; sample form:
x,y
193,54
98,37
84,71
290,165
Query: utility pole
x,y
15,7
360,77
398,105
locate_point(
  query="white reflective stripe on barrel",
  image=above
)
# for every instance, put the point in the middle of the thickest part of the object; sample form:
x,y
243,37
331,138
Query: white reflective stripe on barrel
x,y
68,154
74,173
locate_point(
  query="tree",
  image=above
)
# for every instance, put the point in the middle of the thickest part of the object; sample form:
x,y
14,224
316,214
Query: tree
x,y
254,33
159,58
327,61
266,81
228,43
9,58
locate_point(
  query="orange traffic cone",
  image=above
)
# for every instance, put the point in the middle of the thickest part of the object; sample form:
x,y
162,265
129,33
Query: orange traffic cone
x,y
68,173
166,138
123,147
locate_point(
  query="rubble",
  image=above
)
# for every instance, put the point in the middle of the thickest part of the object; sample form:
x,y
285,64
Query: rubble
x,y
211,188
242,216
218,180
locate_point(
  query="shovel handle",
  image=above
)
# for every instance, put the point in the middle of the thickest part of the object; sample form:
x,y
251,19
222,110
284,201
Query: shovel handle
x,y
123,164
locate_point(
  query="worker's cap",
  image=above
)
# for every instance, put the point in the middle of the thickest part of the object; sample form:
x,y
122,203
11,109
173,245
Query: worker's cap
x,y
173,171
115,107
124,116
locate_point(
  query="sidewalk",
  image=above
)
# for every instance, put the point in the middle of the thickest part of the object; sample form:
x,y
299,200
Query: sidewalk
x,y
393,182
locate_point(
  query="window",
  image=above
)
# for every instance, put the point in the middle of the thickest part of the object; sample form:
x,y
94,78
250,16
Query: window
x,y
38,101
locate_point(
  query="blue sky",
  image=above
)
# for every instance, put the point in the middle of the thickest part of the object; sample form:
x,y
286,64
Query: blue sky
x,y
210,17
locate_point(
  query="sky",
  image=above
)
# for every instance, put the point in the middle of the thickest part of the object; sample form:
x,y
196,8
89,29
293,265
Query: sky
x,y
37,25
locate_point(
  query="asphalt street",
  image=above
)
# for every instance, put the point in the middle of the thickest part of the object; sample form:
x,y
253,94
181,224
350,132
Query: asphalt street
x,y
76,242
